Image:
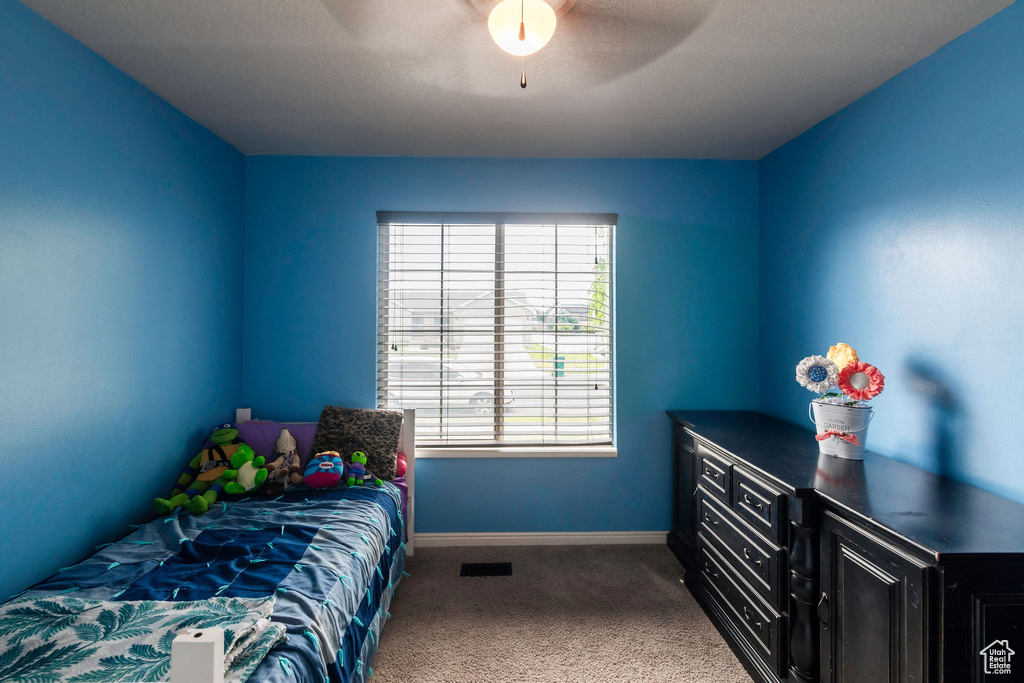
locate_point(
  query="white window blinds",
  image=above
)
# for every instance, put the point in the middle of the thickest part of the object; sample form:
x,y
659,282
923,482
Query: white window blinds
x,y
497,328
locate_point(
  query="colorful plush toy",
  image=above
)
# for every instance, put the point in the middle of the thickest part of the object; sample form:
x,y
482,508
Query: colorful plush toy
x,y
247,473
403,465
324,470
202,479
357,472
285,470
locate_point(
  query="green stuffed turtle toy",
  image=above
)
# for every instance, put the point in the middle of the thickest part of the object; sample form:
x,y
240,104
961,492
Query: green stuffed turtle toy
x,y
247,474
228,465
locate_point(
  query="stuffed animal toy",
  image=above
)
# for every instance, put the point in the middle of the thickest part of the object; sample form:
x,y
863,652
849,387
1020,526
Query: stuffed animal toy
x,y
403,465
324,470
247,472
202,478
285,470
357,473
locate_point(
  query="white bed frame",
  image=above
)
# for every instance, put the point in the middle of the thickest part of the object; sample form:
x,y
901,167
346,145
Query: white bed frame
x,y
406,444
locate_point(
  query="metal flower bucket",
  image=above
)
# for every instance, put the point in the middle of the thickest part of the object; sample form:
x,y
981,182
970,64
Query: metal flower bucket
x,y
842,430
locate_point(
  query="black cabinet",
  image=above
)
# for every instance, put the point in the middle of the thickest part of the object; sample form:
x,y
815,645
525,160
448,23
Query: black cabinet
x,y
983,605
873,608
742,576
683,537
816,568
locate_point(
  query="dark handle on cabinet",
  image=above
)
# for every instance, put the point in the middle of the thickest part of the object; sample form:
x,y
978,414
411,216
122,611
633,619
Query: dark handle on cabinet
x,y
711,473
751,502
707,568
748,617
823,611
710,521
749,557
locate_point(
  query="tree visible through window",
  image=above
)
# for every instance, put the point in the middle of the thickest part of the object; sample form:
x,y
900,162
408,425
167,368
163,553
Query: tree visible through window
x,y
497,332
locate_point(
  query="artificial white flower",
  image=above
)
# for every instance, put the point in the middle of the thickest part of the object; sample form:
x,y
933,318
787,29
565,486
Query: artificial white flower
x,y
817,374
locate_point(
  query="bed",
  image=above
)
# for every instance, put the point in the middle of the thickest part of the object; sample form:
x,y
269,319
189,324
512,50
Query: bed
x,y
324,564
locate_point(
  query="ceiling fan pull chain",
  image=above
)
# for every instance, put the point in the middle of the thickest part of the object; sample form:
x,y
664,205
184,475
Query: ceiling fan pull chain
x,y
508,27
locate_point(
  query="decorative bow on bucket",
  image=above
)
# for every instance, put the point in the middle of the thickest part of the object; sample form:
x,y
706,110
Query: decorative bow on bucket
x,y
849,438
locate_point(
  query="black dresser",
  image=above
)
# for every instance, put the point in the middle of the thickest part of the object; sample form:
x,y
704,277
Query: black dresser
x,y
816,568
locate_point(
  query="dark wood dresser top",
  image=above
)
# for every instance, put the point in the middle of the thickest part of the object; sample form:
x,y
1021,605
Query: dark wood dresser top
x,y
942,517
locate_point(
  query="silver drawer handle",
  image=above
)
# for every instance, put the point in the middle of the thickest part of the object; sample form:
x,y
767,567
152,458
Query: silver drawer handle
x,y
751,502
710,521
748,617
708,472
747,555
707,568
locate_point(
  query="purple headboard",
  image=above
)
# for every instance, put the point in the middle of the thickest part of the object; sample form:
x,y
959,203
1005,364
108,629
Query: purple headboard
x,y
261,437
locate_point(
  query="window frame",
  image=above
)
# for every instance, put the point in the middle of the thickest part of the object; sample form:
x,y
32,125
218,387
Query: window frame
x,y
500,220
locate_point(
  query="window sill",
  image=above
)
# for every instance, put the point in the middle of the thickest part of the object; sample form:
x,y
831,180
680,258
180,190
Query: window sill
x,y
519,452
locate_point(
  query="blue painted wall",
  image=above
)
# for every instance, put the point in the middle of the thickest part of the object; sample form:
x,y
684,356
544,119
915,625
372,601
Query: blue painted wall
x,y
897,226
121,226
686,315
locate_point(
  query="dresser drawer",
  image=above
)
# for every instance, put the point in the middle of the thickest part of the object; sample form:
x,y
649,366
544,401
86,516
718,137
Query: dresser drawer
x,y
756,561
715,473
761,625
758,504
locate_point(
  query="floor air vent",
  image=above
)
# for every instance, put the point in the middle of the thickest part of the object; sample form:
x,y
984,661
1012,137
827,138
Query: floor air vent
x,y
486,569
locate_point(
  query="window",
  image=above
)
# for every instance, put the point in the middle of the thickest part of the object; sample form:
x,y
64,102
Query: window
x,y
497,328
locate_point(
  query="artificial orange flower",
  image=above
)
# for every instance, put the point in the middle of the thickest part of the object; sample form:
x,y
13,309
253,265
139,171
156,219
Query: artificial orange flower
x,y
842,355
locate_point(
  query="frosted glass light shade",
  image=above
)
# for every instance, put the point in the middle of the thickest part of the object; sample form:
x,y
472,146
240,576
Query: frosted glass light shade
x,y
504,22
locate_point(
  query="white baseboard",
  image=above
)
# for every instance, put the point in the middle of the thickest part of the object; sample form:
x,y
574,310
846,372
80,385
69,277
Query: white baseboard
x,y
543,538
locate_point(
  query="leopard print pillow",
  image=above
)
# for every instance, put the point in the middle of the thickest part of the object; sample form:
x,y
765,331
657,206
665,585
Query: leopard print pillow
x,y
374,432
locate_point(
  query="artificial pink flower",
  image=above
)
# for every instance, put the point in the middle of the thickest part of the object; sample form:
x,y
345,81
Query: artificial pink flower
x,y
861,381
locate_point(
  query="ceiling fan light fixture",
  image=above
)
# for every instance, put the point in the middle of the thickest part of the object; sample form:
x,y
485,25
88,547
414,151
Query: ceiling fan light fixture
x,y
521,27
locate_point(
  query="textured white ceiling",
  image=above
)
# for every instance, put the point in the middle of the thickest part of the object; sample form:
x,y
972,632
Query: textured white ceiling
x,y
620,78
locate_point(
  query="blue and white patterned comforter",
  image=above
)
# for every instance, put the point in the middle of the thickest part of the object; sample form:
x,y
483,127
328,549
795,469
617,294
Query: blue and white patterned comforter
x,y
65,639
331,558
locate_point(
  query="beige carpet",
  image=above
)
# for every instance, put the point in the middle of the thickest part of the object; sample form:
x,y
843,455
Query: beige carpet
x,y
584,613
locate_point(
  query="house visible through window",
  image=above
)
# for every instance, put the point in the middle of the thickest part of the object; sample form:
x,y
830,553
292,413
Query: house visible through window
x,y
497,328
